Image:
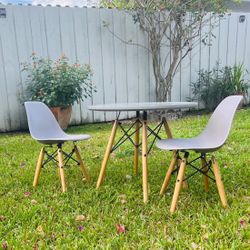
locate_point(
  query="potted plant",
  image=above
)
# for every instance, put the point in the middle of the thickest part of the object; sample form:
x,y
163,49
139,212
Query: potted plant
x,y
58,84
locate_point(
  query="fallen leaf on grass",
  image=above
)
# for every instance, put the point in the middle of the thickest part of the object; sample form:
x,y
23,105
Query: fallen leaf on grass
x,y
40,230
205,236
80,217
123,198
26,194
246,198
22,164
243,223
113,154
35,247
81,228
5,245
194,245
120,229
33,202
123,201
128,177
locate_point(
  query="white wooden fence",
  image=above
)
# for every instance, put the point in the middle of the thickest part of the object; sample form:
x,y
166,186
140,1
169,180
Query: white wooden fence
x,y
122,73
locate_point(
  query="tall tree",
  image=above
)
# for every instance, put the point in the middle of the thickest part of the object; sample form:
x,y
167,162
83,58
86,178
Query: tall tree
x,y
173,26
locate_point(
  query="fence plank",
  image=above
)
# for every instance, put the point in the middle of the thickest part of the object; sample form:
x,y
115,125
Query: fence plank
x,y
11,67
38,30
23,39
185,70
107,45
53,34
4,110
223,40
120,59
68,42
96,59
132,61
241,40
214,42
232,40
143,79
82,54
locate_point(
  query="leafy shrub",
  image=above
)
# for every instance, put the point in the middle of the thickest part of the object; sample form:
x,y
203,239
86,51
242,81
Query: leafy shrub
x,y
57,83
213,86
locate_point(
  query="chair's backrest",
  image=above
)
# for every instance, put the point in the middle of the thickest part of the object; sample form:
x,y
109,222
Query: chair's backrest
x,y
42,123
219,124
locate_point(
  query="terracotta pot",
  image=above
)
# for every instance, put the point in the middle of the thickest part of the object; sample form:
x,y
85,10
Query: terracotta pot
x,y
62,115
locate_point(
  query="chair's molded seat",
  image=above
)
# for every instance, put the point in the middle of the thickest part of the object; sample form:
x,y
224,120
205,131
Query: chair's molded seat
x,y
56,140
197,144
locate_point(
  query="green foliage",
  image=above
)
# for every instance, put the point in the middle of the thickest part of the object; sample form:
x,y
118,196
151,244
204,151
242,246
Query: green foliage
x,y
218,6
57,83
213,86
240,84
46,219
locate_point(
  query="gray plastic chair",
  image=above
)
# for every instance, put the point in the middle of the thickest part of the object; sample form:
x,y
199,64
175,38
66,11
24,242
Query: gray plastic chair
x,y
45,129
211,139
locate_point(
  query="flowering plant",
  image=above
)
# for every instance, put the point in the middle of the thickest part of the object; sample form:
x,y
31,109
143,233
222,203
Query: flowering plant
x,y
59,83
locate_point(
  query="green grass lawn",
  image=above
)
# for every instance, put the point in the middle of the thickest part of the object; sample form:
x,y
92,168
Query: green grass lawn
x,y
45,218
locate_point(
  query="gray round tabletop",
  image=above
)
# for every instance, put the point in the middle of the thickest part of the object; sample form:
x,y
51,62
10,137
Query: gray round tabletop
x,y
143,106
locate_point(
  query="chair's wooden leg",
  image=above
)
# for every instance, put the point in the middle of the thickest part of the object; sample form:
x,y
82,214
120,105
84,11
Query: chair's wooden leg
x,y
136,152
61,168
219,182
205,169
170,136
144,161
107,154
38,167
83,168
169,173
178,184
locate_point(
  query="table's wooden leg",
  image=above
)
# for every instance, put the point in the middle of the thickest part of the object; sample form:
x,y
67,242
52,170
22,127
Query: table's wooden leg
x,y
167,128
205,169
83,168
170,136
144,159
38,167
178,184
107,154
136,152
219,182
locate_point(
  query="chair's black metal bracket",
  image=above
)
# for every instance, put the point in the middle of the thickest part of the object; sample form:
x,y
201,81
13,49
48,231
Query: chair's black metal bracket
x,y
205,169
52,156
